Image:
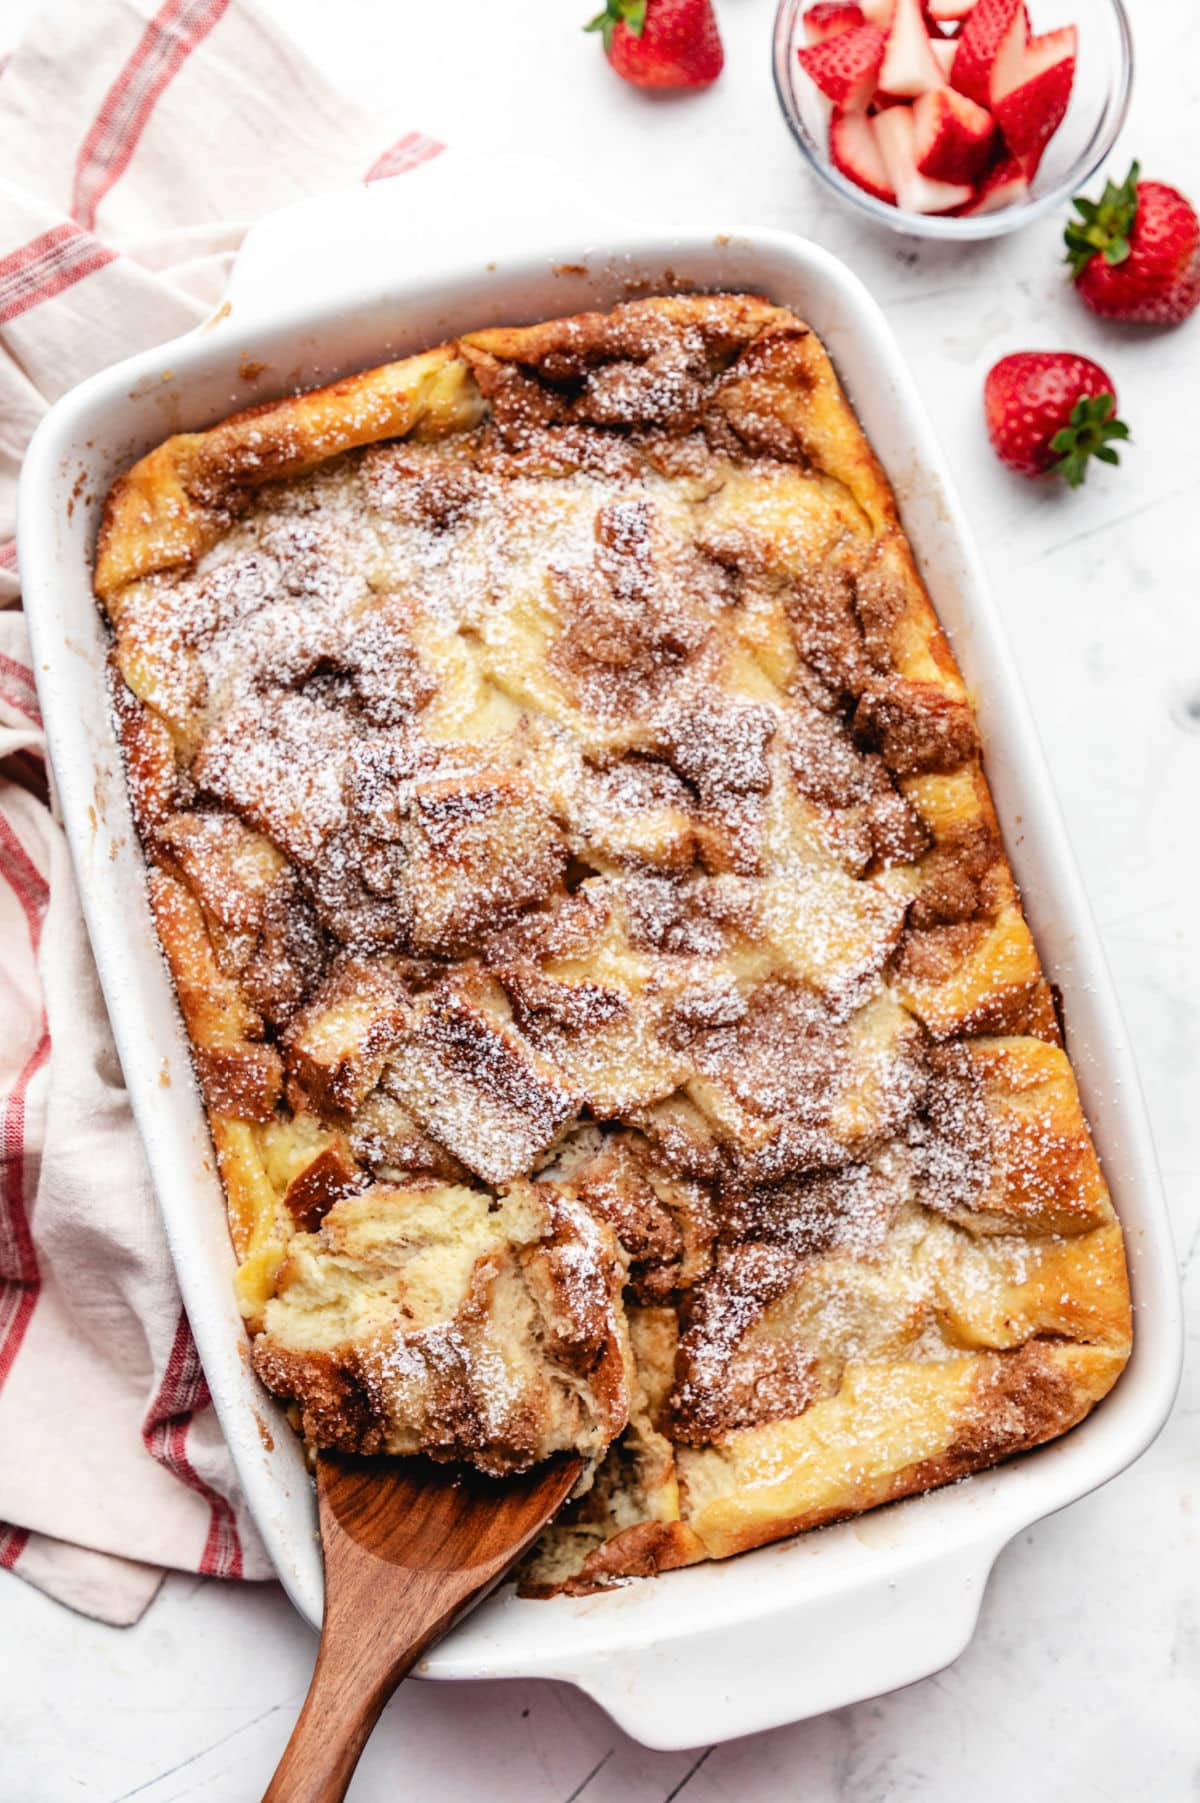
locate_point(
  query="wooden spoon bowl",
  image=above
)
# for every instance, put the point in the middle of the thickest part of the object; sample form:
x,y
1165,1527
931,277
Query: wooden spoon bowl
x,y
410,1546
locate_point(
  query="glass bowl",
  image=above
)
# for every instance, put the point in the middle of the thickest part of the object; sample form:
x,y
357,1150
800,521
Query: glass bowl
x,y
1099,102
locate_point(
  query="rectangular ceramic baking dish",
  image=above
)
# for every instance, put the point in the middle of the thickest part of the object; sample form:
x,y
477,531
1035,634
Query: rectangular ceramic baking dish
x,y
336,285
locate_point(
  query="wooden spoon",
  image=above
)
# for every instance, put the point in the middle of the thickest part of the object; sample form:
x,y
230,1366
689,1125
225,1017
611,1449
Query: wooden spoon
x,y
410,1546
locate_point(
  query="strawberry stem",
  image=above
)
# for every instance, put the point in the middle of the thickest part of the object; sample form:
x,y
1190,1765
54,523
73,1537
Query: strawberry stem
x,y
1093,423
1104,226
629,13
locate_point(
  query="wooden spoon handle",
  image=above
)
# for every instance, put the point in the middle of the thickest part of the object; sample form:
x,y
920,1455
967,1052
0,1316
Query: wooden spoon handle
x,y
350,1685
409,1548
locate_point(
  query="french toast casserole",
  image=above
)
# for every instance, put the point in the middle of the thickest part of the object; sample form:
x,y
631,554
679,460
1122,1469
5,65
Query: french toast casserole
x,y
618,1026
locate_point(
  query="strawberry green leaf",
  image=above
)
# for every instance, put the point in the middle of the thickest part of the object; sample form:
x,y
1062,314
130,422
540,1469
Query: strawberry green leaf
x,y
1103,227
1091,428
630,13
603,23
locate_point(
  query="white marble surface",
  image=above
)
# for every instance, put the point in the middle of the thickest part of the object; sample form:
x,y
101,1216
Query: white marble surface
x,y
1082,1679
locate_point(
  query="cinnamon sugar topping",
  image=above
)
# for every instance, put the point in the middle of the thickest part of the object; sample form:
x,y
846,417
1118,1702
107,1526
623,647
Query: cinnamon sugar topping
x,y
574,858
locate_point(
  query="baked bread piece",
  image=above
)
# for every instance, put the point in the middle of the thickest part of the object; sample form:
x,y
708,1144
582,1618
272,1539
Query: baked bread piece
x,y
432,1317
618,1025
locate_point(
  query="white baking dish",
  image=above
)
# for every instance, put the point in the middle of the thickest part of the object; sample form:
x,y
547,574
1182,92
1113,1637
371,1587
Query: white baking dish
x,y
793,1629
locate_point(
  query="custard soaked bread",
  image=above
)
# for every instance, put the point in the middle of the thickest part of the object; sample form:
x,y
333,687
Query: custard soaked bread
x,y
616,1017
434,1317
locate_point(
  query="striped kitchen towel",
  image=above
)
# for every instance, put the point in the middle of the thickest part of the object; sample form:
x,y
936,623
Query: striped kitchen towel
x,y
135,143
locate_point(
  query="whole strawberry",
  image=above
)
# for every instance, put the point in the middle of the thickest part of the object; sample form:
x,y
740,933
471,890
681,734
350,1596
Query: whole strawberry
x,y
661,43
1048,412
1135,252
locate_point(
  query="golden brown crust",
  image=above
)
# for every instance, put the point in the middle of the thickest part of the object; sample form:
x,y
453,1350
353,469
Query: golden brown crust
x,y
169,508
550,764
929,1425
240,1075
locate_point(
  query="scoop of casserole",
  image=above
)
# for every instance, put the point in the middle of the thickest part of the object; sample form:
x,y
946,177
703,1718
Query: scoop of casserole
x,y
433,1318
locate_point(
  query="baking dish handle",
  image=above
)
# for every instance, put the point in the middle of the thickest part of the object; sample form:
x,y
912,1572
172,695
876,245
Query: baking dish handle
x,y
743,1676
358,241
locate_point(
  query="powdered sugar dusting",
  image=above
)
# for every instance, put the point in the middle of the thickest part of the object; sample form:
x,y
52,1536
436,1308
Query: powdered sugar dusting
x,y
577,725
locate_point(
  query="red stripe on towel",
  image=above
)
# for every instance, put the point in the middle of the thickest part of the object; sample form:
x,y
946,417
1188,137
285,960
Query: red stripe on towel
x,y
19,1277
18,1260
17,1303
45,266
13,1542
408,152
18,690
164,1434
25,879
164,46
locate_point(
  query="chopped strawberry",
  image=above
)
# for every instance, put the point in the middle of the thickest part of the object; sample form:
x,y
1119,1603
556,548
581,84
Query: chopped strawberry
x,y
1003,186
878,12
854,149
1135,252
909,66
661,43
977,44
846,67
828,17
1030,88
915,193
945,12
943,50
951,136
1047,412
